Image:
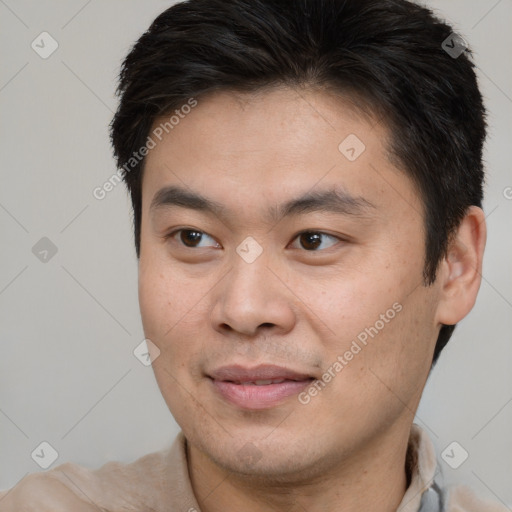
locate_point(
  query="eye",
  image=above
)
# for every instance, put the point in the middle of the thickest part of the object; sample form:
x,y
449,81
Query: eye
x,y
313,240
192,238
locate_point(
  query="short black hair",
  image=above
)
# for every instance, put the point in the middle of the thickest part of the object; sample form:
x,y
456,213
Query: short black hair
x,y
392,55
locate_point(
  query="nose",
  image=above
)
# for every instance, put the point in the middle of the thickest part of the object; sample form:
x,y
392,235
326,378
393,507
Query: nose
x,y
252,299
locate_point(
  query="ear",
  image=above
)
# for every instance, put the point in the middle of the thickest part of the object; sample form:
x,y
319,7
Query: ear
x,y
460,273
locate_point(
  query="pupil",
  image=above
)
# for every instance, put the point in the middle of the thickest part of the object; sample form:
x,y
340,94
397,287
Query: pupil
x,y
190,237
310,240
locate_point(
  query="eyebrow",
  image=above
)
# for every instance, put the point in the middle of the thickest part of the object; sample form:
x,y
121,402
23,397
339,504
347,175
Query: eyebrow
x,y
331,200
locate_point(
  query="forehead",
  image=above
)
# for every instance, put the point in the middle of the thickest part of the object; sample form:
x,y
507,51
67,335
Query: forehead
x,y
271,145
288,121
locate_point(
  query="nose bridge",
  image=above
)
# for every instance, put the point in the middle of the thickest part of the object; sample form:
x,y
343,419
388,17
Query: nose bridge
x,y
251,296
248,278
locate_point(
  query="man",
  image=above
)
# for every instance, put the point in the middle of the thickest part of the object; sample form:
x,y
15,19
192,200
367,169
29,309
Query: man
x,y
306,179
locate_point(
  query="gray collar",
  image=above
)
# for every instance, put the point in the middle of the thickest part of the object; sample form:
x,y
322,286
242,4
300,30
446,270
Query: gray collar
x,y
432,499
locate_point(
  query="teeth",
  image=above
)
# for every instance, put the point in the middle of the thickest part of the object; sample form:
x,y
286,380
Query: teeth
x,y
263,382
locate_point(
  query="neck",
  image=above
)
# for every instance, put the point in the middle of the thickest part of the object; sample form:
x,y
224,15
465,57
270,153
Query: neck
x,y
370,479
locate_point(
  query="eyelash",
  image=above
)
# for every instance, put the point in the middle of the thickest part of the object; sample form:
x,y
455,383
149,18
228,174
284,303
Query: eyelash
x,y
306,232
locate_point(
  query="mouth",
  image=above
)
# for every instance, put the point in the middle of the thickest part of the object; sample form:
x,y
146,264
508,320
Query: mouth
x,y
262,387
261,382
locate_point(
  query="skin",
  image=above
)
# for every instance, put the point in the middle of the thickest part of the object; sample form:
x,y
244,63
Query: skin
x,y
204,307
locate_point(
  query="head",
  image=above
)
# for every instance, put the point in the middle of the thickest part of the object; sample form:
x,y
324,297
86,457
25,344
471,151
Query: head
x,y
347,144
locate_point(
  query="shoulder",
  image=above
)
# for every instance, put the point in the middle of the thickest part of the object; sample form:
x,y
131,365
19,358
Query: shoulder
x,y
73,487
41,492
463,499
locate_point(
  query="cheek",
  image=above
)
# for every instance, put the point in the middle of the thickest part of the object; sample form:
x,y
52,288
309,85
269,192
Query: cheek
x,y
344,304
167,324
152,299
160,309
163,296
398,353
381,318
172,312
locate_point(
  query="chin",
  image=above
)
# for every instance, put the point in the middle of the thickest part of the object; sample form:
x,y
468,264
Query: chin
x,y
281,458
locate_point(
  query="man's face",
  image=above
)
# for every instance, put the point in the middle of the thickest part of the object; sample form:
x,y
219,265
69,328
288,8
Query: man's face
x,y
337,288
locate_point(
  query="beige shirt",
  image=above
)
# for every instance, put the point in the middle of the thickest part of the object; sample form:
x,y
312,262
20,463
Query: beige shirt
x,y
159,482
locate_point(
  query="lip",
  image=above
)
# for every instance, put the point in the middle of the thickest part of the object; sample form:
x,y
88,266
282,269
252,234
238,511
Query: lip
x,y
235,384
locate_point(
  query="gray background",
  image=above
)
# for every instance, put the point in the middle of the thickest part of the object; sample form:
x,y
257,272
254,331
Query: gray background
x,y
69,325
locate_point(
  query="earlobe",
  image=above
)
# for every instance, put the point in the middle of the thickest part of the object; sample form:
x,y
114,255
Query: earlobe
x,y
461,270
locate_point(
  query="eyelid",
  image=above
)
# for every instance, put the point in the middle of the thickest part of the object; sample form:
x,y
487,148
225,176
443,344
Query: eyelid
x,y
175,231
318,232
